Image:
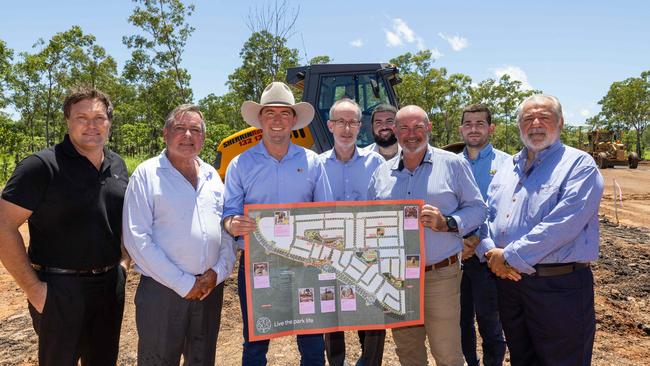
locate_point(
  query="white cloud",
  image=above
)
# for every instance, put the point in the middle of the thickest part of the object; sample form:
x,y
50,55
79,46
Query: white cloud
x,y
435,53
585,113
356,43
401,33
515,73
392,39
456,42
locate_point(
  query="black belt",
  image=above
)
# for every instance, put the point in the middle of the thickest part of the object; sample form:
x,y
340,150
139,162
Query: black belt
x,y
79,272
547,270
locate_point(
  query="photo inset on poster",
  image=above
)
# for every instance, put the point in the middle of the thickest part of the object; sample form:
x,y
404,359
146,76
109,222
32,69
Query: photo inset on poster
x,y
281,226
261,275
380,232
306,301
348,298
327,300
412,266
411,217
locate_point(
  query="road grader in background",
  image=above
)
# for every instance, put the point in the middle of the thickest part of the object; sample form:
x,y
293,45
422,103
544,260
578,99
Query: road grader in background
x,y
607,151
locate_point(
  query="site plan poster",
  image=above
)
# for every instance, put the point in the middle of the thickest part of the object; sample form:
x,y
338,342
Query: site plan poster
x,y
320,267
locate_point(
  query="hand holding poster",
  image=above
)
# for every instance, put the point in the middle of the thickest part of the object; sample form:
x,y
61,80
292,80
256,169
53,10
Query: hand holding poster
x,y
324,266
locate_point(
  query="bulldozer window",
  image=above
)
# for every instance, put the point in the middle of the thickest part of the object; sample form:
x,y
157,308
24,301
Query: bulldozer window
x,y
366,89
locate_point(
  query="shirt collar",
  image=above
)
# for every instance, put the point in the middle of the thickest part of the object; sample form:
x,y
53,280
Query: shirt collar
x,y
68,148
261,149
521,157
331,154
485,152
398,163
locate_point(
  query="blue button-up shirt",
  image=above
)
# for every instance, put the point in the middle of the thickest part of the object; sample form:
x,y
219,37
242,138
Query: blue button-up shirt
x,y
548,214
172,230
255,177
349,180
485,166
443,180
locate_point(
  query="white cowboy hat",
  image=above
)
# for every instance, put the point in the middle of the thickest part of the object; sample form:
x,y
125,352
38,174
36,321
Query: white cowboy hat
x,y
277,94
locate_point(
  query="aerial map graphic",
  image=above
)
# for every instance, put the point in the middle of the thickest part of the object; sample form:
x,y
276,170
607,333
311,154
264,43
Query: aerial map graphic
x,y
320,267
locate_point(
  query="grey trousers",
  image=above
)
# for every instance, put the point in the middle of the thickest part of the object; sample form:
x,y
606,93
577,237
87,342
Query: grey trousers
x,y
168,325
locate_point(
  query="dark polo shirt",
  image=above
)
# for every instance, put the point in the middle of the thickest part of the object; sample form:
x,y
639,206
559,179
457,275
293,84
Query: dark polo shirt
x,y
76,220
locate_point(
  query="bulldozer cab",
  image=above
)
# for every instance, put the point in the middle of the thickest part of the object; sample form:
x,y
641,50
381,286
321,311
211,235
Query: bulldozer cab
x,y
322,85
367,84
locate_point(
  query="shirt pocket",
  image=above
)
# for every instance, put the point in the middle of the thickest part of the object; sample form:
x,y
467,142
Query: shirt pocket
x,y
542,201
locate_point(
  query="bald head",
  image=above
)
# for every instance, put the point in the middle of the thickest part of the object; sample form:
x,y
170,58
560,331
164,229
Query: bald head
x,y
412,129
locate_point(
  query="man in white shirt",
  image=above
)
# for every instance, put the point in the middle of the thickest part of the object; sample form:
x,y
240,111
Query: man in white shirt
x,y
172,230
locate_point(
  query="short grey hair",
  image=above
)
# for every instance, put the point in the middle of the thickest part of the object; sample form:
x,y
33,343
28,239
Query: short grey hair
x,y
181,110
345,100
556,107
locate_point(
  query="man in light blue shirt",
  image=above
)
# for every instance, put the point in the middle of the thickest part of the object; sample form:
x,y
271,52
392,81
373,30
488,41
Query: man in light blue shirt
x,y
349,170
478,293
453,208
543,232
273,171
171,219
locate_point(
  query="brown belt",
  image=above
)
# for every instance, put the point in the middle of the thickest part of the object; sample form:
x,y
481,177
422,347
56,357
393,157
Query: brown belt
x,y
443,263
81,272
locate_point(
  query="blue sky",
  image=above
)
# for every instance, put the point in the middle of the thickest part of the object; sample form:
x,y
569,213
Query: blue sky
x,y
572,49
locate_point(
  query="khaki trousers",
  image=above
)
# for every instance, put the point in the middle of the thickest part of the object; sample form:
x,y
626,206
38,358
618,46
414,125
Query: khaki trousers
x,y
441,322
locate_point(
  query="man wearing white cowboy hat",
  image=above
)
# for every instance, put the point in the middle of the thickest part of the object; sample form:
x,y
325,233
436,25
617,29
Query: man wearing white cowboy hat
x,y
274,171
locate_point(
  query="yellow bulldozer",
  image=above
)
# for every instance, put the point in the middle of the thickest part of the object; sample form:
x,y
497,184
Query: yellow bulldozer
x,y
608,151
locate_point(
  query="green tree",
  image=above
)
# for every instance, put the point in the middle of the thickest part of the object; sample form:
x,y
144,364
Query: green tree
x,y
442,96
154,70
628,102
502,96
265,58
6,56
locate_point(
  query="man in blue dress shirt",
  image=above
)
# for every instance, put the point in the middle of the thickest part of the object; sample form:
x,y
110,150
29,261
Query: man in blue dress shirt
x,y
349,170
453,208
273,171
542,234
478,293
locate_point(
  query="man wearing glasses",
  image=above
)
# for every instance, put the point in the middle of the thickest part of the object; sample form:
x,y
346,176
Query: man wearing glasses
x,y
478,292
383,121
349,170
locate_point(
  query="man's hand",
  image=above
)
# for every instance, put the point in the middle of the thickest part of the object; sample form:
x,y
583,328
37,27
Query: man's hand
x,y
208,281
496,262
239,225
203,285
36,295
196,292
432,218
469,246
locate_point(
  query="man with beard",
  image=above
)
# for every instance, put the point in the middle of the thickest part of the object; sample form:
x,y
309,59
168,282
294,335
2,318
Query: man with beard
x,y
383,121
478,293
542,234
452,208
349,170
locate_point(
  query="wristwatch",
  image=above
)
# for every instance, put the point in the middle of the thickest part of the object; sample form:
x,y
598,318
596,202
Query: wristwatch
x,y
452,225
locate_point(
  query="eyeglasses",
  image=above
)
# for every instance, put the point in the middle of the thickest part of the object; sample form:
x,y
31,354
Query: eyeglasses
x,y
352,124
179,130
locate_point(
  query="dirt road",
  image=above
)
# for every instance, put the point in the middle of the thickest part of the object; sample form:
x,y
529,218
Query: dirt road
x,y
622,295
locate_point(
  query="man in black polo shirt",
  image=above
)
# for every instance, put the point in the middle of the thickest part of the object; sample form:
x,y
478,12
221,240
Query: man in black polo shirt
x,y
74,271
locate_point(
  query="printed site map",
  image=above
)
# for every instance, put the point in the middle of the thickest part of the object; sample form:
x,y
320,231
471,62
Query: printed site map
x,y
329,266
